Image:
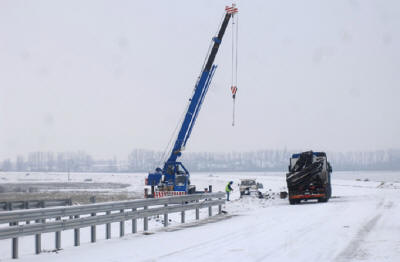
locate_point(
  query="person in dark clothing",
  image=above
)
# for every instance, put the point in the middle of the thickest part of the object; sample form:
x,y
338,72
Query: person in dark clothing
x,y
228,189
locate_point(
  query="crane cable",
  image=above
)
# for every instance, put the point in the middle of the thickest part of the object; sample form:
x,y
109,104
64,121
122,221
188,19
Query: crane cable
x,y
234,62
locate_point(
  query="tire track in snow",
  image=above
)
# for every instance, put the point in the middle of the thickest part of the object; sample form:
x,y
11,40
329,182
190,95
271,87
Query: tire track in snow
x,y
353,251
299,233
214,242
209,243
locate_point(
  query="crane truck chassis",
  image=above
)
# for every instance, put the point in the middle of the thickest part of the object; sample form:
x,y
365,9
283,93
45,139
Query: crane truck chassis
x,y
309,177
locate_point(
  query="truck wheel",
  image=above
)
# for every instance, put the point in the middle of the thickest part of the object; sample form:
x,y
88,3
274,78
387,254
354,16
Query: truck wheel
x,y
293,201
260,195
329,191
192,190
323,199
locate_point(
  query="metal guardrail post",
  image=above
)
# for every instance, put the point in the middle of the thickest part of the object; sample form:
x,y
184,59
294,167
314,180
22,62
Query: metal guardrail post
x,y
145,221
197,211
134,223
15,248
93,228
108,227
15,244
77,235
93,231
183,217
38,241
219,207
183,214
210,211
166,217
121,226
58,237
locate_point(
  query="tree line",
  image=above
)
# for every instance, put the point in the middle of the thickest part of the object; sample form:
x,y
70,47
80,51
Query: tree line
x,y
140,160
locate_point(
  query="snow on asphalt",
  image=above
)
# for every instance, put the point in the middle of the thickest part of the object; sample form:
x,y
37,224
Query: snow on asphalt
x,y
360,223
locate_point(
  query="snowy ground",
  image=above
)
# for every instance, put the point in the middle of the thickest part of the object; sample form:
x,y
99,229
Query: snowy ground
x,y
360,223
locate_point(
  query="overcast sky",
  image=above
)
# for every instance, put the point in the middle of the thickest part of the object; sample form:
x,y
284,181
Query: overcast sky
x,y
110,76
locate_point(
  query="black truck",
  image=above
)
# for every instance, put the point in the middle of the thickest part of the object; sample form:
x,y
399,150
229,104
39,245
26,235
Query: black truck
x,y
309,177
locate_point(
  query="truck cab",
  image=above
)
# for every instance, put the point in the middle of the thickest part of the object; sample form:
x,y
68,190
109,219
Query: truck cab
x,y
309,177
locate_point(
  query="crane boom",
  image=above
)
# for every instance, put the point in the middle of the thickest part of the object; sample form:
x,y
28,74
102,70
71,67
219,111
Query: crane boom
x,y
199,93
176,176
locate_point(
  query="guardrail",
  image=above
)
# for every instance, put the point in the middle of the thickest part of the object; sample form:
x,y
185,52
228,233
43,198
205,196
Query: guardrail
x,y
14,205
57,219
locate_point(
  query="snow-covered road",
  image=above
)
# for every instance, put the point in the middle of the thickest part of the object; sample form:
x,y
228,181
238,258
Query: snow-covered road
x,y
360,223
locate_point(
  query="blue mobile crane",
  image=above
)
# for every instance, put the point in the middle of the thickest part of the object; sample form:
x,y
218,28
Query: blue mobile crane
x,y
174,176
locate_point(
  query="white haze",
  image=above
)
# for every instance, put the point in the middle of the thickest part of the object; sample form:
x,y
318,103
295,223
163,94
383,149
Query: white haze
x,y
110,76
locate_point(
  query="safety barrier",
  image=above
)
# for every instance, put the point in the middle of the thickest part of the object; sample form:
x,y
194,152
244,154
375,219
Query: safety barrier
x,y
57,219
28,204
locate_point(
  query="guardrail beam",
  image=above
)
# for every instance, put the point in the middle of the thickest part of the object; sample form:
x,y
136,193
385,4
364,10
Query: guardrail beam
x,y
33,214
99,214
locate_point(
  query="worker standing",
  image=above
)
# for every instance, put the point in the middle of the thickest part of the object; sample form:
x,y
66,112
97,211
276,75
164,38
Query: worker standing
x,y
228,189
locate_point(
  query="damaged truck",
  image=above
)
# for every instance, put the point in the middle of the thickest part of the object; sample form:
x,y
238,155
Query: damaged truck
x,y
249,187
309,177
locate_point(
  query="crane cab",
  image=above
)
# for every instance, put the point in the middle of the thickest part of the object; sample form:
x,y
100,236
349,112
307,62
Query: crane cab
x,y
176,177
173,178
